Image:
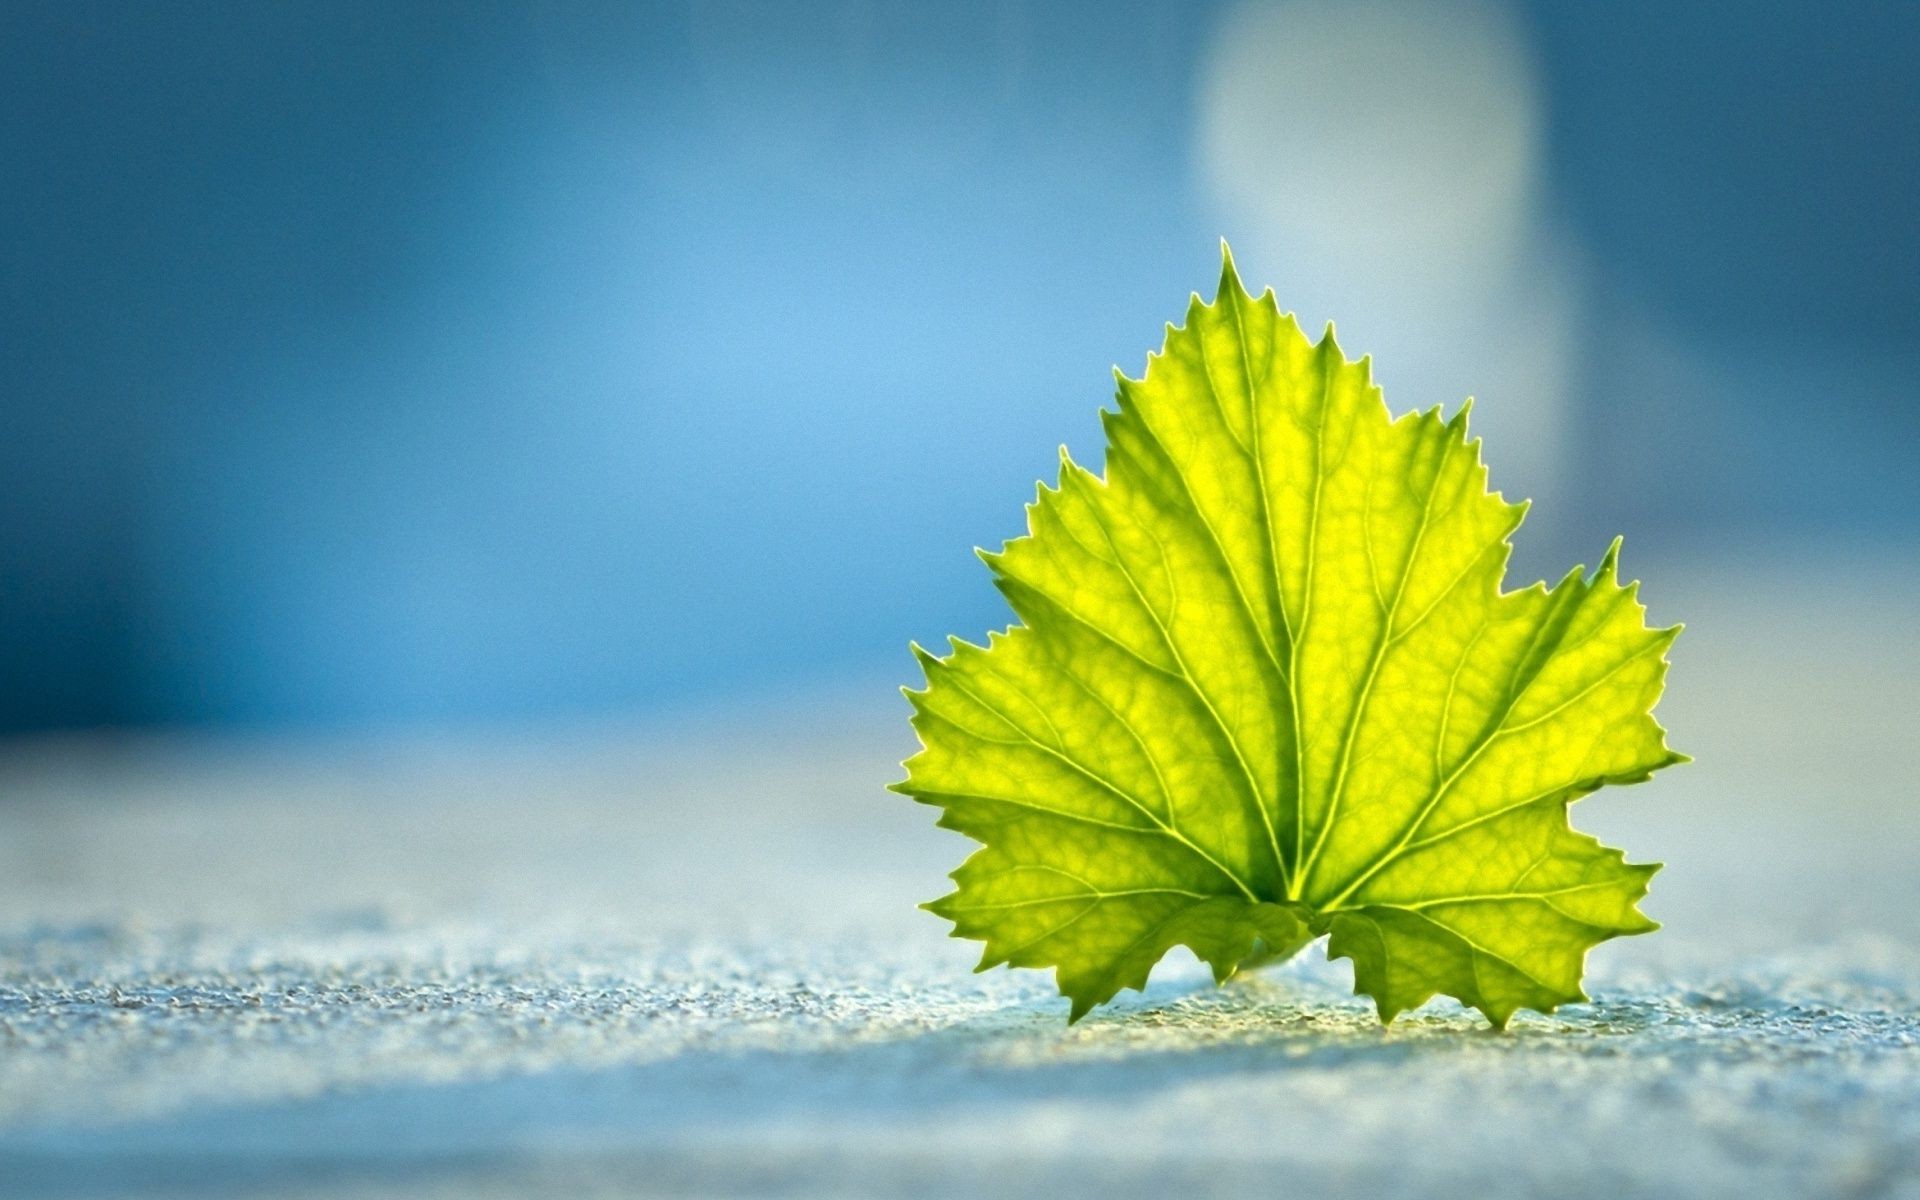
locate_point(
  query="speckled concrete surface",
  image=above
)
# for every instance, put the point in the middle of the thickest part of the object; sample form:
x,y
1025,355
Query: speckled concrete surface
x,y
685,961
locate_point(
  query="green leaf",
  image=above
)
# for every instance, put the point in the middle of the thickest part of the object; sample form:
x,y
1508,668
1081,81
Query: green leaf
x,y
1266,687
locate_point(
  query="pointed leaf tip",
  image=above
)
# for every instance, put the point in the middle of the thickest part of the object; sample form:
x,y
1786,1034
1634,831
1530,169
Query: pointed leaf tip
x,y
1229,275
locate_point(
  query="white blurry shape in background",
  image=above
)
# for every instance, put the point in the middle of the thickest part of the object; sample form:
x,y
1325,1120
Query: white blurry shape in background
x,y
1380,165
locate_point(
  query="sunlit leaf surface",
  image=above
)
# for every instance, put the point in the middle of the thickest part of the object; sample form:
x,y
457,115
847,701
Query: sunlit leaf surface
x,y
1266,687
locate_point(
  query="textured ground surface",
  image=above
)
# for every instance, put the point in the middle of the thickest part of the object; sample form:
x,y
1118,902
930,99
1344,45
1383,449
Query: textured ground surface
x,y
685,961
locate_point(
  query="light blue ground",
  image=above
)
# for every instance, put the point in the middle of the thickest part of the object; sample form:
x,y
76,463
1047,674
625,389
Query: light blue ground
x,y
685,961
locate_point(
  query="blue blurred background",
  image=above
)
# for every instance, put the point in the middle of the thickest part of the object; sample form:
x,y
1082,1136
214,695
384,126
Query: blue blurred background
x,y
371,364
